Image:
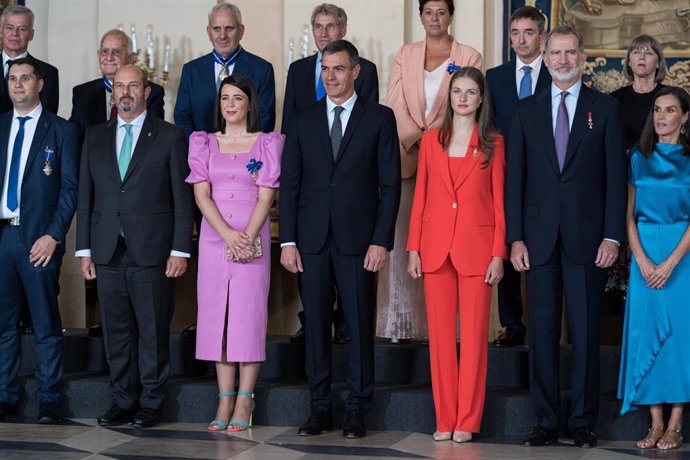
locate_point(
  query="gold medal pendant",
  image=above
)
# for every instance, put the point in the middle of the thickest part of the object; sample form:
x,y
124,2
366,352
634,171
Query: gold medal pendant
x,y
47,169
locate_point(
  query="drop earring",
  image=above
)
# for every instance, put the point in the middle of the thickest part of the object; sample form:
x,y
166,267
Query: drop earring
x,y
683,130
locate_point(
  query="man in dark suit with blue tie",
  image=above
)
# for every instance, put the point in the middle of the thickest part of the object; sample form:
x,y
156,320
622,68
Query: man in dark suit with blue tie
x,y
39,167
518,78
196,96
339,197
134,232
93,101
17,31
566,199
305,87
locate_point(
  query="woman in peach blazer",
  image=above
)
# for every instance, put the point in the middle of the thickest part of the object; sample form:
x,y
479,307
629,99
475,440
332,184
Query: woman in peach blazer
x,y
418,94
457,241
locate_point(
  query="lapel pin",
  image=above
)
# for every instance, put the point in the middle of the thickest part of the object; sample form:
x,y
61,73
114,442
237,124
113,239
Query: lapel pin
x,y
474,153
48,156
589,120
452,67
149,134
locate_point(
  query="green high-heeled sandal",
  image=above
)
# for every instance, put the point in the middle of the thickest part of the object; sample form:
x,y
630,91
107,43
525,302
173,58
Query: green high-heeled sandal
x,y
219,425
239,425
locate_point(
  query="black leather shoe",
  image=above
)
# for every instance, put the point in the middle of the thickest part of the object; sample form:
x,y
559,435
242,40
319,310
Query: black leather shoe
x,y
509,338
48,414
189,333
585,437
320,421
298,337
116,416
341,337
7,409
147,418
354,425
96,330
540,436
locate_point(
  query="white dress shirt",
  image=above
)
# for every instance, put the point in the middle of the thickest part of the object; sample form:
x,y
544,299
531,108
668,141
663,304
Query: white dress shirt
x,y
519,73
29,130
6,58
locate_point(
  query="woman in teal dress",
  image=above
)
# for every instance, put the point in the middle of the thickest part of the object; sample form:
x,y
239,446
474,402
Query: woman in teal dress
x,y
655,369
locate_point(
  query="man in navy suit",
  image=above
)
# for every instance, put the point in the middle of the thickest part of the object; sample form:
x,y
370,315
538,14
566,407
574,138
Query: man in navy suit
x,y
339,197
93,101
518,78
38,166
305,88
17,32
566,199
196,96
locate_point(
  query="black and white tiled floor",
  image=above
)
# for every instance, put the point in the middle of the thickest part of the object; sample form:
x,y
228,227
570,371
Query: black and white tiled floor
x,y
82,439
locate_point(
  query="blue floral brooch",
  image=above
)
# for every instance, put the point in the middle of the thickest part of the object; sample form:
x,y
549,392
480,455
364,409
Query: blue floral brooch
x,y
452,68
253,167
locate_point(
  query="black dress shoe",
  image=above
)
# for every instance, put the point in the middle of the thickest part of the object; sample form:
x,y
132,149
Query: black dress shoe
x,y
48,414
341,337
7,409
354,425
116,416
189,333
96,330
320,421
540,436
509,338
298,337
585,437
147,418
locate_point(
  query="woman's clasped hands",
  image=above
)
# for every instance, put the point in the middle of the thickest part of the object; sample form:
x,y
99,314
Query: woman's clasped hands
x,y
239,246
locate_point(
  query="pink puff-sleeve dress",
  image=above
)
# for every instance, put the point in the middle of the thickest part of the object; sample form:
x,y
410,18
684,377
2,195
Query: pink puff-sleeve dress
x,y
229,294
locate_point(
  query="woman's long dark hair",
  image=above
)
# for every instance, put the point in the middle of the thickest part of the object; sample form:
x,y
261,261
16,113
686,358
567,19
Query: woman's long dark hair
x,y
247,87
484,115
649,137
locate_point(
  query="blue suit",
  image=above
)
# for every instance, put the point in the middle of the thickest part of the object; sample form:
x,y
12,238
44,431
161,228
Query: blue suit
x,y
504,96
195,108
48,202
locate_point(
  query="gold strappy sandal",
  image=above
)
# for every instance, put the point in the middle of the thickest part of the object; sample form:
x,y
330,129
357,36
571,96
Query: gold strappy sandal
x,y
673,438
653,436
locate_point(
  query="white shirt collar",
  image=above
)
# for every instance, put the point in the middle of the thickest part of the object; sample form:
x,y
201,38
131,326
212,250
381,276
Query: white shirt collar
x,y
137,122
6,58
35,114
535,65
574,90
347,105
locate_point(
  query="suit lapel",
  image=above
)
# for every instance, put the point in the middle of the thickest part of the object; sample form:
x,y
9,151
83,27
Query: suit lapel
x,y
544,77
310,72
37,142
146,137
508,82
579,126
416,104
440,156
5,125
110,143
322,127
97,110
355,117
544,119
469,162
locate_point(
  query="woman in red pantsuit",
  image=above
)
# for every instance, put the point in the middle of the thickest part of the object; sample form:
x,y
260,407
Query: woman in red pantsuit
x,y
457,241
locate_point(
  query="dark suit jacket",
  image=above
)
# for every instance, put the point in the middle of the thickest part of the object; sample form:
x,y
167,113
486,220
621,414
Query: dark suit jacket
x,y
300,90
48,201
357,195
89,106
153,204
196,97
586,202
504,95
50,94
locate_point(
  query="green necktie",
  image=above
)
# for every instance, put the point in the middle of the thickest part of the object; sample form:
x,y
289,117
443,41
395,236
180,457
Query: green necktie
x,y
125,151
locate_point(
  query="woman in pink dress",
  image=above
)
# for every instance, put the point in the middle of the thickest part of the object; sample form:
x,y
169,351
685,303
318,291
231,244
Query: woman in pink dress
x,y
235,173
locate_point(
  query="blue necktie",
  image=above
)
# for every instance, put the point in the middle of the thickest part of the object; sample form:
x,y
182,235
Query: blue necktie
x,y
320,90
13,180
125,151
525,83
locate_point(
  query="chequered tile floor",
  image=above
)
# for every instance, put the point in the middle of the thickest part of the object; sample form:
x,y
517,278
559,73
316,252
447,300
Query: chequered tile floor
x,y
82,439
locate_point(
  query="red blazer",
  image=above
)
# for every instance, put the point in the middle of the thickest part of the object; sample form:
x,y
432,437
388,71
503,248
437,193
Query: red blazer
x,y
467,220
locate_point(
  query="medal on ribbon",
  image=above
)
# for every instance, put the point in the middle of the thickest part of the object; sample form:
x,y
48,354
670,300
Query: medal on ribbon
x,y
48,155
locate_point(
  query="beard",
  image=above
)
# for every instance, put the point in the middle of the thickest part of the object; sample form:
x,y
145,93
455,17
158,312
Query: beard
x,y
564,76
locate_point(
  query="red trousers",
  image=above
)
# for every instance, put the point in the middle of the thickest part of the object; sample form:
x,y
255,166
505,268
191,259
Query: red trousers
x,y
458,393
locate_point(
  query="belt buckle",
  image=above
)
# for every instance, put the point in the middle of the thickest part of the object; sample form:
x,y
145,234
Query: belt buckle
x,y
13,221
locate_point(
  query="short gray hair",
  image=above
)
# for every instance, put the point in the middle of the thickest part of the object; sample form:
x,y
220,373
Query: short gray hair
x,y
121,35
566,30
331,10
14,10
227,7
641,42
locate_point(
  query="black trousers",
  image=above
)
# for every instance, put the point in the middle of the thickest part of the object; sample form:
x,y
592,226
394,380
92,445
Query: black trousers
x,y
510,307
583,286
136,306
325,272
